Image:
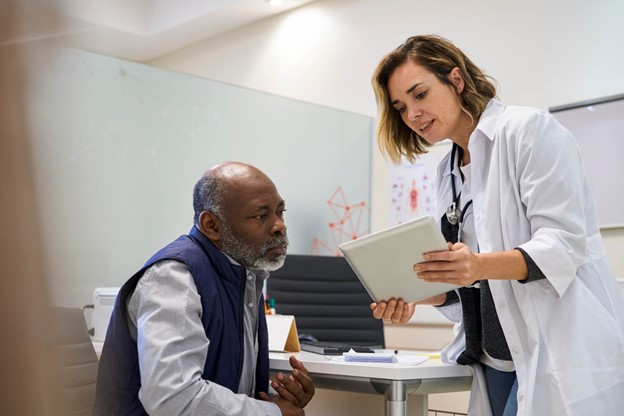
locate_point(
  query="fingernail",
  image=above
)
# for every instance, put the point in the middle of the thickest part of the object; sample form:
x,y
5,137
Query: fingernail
x,y
417,267
426,256
280,376
295,372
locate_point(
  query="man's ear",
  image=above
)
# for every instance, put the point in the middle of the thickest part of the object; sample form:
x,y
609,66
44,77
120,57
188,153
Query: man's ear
x,y
456,79
211,226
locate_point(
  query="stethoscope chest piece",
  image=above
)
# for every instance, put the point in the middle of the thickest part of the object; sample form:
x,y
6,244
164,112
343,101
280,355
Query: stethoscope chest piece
x,y
452,214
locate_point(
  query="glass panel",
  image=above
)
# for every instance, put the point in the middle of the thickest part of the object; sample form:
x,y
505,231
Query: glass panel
x,y
118,147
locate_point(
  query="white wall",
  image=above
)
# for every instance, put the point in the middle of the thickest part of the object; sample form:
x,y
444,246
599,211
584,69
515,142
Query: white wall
x,y
542,52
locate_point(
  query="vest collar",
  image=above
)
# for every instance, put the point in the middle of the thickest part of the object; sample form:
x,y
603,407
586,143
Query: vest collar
x,y
225,268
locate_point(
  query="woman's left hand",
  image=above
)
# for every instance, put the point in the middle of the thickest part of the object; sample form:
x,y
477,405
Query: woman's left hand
x,y
458,266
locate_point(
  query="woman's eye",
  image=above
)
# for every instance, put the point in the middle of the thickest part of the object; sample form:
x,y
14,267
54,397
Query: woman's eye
x,y
421,95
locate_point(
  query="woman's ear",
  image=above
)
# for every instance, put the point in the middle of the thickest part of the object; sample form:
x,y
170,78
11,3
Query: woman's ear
x,y
211,226
456,79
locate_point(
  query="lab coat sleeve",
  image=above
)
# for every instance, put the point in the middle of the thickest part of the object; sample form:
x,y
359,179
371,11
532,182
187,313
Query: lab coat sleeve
x,y
550,175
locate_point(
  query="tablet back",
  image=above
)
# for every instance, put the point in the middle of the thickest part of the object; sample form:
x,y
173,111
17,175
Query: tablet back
x,y
383,261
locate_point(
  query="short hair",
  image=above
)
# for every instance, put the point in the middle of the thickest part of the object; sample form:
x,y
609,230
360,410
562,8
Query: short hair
x,y
208,196
439,56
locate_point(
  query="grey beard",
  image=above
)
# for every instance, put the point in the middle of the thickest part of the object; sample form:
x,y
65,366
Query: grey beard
x,y
270,265
248,256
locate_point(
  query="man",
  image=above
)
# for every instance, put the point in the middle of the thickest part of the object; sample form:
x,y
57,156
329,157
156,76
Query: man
x,y
188,334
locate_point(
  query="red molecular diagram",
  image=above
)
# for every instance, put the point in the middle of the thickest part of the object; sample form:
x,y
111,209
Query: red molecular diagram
x,y
351,223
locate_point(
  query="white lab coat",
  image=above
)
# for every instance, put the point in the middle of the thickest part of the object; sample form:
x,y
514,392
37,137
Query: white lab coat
x,y
566,332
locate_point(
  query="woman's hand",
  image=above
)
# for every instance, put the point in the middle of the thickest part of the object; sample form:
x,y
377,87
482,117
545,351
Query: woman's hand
x,y
394,310
397,311
459,266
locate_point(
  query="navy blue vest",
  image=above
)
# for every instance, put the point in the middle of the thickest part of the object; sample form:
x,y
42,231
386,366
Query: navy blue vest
x,y
221,286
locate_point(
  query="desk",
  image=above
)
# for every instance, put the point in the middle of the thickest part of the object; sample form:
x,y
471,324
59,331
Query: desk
x,y
394,381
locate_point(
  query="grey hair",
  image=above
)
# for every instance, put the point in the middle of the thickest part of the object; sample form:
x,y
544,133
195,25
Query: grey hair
x,y
208,196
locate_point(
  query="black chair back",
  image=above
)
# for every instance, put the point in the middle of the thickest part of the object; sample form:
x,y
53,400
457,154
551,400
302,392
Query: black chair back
x,y
327,299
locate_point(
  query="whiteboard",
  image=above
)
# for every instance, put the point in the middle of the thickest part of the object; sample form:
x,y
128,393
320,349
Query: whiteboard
x,y
598,127
118,146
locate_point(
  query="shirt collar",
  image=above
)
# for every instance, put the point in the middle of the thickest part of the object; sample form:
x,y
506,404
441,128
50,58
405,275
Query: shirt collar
x,y
258,273
489,119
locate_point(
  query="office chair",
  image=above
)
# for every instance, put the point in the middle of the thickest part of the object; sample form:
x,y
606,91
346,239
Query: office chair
x,y
327,299
77,360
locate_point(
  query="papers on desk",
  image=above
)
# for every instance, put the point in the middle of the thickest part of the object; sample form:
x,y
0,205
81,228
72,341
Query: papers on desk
x,y
369,357
380,357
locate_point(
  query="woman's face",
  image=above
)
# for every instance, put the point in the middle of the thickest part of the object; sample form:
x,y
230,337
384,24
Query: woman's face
x,y
428,106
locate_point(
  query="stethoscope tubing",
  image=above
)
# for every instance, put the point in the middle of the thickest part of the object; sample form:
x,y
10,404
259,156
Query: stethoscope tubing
x,y
453,214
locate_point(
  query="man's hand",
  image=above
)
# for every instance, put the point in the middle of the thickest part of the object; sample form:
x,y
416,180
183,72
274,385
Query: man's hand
x,y
297,388
286,408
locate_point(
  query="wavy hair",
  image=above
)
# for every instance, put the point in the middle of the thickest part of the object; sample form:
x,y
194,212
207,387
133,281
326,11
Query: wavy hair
x,y
439,56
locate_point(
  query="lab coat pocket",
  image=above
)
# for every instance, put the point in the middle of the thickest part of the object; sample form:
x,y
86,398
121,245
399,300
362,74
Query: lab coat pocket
x,y
583,340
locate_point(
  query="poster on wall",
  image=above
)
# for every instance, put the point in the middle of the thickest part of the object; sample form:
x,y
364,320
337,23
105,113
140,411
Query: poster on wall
x,y
412,185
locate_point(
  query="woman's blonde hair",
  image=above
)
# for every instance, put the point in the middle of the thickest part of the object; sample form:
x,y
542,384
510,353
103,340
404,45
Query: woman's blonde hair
x,y
439,56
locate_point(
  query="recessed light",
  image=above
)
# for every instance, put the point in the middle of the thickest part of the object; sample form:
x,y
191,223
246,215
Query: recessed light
x,y
276,2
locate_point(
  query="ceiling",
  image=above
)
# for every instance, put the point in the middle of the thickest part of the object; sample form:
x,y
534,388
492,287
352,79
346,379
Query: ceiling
x,y
141,30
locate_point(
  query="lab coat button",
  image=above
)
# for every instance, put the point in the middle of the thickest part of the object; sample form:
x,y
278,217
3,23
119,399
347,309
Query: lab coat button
x,y
501,304
515,350
250,304
477,216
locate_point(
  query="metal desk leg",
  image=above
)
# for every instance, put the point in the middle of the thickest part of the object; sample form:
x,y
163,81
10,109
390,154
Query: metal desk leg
x,y
396,400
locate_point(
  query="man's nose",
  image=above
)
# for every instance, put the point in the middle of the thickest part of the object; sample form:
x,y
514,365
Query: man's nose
x,y
278,226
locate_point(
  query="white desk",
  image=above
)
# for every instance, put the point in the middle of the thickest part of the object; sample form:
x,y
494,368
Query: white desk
x,y
394,381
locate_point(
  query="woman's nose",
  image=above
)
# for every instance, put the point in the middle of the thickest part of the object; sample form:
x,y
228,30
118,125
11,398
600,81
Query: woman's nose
x,y
412,113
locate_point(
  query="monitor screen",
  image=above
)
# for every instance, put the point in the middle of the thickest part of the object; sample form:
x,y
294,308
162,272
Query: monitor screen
x,y
598,126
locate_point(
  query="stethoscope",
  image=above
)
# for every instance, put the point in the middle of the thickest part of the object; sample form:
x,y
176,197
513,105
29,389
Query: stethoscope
x,y
453,214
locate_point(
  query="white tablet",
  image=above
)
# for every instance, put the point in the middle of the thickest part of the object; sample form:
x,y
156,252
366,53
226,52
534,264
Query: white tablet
x,y
384,261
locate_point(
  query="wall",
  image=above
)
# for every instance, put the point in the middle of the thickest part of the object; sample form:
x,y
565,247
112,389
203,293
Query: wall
x,y
542,54
117,147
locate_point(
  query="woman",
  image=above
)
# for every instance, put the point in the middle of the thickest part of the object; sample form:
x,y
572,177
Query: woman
x,y
540,317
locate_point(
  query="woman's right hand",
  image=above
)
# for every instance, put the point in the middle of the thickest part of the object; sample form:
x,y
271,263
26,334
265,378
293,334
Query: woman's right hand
x,y
394,310
398,311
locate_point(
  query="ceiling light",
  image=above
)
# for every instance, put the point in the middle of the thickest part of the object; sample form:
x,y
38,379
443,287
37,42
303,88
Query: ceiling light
x,y
276,2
